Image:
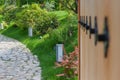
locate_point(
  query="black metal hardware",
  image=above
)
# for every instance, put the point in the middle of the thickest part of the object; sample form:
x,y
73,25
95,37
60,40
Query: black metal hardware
x,y
98,37
92,30
96,30
102,37
105,37
87,25
81,21
84,24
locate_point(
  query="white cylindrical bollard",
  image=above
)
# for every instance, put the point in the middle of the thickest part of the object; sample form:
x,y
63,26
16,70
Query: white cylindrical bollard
x,y
30,32
59,52
1,26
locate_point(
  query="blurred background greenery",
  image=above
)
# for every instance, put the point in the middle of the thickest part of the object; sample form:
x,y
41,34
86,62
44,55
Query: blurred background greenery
x,y
53,22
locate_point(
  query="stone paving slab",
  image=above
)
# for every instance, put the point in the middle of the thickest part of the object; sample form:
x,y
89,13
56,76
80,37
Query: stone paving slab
x,y
17,62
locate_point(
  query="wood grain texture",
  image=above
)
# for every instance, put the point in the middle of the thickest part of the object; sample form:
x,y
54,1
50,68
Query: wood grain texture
x,y
94,66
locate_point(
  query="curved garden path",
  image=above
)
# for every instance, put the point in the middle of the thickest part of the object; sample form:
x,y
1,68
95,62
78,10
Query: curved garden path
x,y
17,62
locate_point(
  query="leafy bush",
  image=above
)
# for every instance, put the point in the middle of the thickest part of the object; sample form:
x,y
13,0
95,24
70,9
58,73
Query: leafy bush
x,y
48,22
27,18
70,64
49,6
1,10
62,34
9,14
34,16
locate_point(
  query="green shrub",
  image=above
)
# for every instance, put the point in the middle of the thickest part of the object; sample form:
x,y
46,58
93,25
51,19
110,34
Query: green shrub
x,y
30,16
9,13
34,16
48,22
27,18
1,10
49,6
54,22
62,34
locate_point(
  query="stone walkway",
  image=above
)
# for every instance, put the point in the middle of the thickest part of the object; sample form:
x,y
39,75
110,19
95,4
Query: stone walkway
x,y
17,62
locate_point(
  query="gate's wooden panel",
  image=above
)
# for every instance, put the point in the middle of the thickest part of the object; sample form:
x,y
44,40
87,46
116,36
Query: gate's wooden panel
x,y
114,50
94,66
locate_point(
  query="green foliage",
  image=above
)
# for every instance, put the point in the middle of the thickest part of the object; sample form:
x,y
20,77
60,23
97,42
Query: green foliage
x,y
28,17
70,64
1,2
69,4
49,6
9,13
39,19
1,18
62,34
46,22
24,2
61,15
1,10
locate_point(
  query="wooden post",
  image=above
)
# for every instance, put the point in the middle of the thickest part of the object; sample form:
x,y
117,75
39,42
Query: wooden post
x,y
79,39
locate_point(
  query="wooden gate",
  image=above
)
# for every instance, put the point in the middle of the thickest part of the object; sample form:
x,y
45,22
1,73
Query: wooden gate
x,y
99,39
